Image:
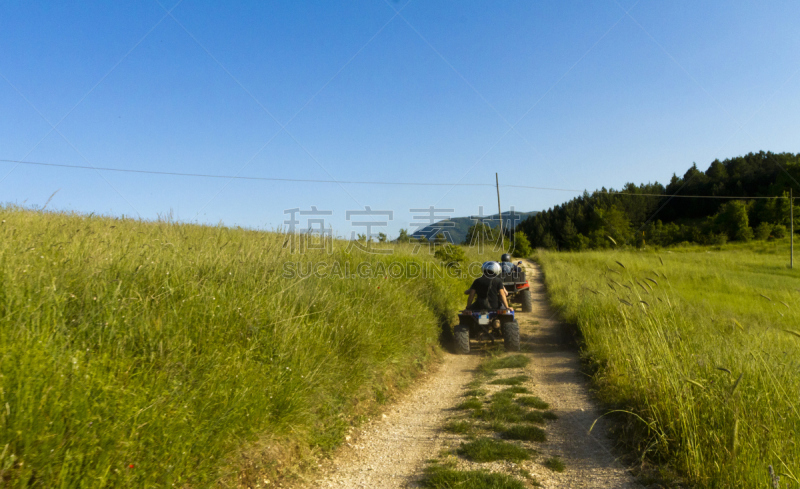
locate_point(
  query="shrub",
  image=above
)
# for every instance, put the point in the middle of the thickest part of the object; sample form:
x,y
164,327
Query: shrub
x,y
451,255
762,231
779,231
744,233
521,246
732,220
717,239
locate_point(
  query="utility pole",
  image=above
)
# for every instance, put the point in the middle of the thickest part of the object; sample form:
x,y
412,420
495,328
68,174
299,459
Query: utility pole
x,y
500,212
791,229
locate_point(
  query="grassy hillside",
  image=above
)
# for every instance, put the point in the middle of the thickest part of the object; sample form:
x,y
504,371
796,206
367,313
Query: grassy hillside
x,y
156,354
700,346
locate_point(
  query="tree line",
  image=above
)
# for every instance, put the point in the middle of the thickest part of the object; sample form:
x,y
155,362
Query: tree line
x,y
629,216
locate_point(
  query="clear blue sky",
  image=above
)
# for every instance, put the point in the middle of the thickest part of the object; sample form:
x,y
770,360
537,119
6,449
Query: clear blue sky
x,y
567,94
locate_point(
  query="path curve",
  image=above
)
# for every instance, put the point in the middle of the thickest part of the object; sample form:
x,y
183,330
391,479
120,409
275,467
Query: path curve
x,y
391,451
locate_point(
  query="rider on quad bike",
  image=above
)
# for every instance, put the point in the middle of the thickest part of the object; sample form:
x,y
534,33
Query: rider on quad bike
x,y
487,314
516,283
506,265
488,289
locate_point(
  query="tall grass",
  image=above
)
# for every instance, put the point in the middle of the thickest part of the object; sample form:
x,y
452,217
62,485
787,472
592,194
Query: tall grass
x,y
155,354
699,348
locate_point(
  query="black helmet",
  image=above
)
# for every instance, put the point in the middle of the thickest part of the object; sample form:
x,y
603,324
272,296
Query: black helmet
x,y
491,269
505,257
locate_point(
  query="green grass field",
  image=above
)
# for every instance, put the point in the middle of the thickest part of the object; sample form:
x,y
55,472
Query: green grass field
x,y
701,349
156,354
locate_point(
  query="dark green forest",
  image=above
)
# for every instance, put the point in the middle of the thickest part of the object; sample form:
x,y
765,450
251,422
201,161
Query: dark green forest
x,y
609,217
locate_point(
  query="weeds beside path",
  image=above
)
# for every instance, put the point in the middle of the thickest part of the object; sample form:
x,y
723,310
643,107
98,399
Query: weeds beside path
x,y
696,348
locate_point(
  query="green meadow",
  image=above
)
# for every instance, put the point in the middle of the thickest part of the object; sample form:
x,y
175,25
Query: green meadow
x,y
697,350
155,354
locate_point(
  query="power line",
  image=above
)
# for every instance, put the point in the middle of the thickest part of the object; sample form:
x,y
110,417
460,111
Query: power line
x,y
361,182
238,177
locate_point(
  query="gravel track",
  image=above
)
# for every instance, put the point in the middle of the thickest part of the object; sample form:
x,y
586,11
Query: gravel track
x,y
391,451
557,378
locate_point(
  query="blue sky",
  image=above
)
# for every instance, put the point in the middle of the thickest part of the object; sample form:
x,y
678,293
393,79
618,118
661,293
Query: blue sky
x,y
564,94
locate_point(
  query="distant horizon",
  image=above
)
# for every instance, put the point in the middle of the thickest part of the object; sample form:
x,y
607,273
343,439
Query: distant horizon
x,y
168,216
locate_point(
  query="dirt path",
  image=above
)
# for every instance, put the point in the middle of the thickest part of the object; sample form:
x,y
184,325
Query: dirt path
x,y
391,452
555,370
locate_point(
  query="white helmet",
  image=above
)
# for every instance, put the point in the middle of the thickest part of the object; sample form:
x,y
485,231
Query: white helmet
x,y
491,269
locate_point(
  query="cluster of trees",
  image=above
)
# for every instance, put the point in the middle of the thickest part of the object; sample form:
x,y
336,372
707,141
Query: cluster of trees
x,y
633,216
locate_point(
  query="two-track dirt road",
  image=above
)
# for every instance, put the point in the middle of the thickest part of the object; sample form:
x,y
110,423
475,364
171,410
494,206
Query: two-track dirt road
x,y
391,451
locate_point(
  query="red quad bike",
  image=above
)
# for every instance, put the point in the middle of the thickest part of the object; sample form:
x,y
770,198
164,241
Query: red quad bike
x,y
517,288
486,325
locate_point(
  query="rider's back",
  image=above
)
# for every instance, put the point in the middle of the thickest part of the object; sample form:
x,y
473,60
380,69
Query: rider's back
x,y
487,292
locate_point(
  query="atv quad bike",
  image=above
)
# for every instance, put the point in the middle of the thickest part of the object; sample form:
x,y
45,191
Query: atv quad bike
x,y
486,325
517,288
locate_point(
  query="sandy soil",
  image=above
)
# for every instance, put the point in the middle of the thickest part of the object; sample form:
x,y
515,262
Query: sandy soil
x,y
391,451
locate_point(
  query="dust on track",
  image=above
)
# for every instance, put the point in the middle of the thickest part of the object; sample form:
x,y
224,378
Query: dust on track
x,y
391,451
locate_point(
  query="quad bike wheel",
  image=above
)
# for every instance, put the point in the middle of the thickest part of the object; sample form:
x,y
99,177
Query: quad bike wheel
x,y
461,334
527,306
511,336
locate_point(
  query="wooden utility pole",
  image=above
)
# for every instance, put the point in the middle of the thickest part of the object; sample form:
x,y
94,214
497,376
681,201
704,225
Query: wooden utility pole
x,y
500,213
791,229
